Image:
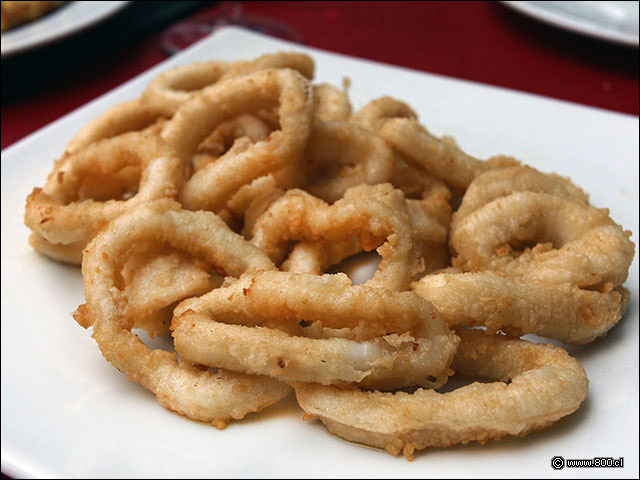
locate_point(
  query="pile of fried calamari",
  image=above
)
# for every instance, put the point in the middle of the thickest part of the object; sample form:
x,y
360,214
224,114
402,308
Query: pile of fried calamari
x,y
210,208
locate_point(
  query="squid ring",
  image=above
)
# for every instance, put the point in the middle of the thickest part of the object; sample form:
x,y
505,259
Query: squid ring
x,y
297,61
398,124
439,157
373,213
92,186
376,113
330,103
168,91
561,311
567,286
342,155
125,117
268,324
504,181
189,390
545,384
588,248
210,187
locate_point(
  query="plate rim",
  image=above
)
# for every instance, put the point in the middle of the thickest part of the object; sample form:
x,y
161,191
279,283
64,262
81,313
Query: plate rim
x,y
74,28
573,24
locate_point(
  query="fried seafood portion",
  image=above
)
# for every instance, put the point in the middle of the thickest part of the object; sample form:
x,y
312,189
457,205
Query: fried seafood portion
x,y
311,328
532,386
111,309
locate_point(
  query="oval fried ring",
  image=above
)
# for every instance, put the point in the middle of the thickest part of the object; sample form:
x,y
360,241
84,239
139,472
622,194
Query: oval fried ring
x,y
567,288
210,187
330,103
442,159
91,187
398,124
261,325
428,218
504,181
125,117
545,385
297,61
187,389
231,134
341,155
372,213
561,311
376,113
168,91
70,253
581,245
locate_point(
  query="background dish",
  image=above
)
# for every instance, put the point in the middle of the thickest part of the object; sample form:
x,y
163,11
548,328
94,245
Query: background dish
x,y
615,21
60,23
66,412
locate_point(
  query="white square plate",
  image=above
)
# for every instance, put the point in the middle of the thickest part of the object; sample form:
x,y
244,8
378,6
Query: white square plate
x,y
67,412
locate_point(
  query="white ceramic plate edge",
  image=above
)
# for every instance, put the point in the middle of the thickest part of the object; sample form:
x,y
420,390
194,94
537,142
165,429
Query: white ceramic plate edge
x,y
574,24
83,23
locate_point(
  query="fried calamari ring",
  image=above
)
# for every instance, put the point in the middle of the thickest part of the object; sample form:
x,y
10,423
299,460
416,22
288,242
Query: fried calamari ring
x,y
252,200
561,311
341,155
155,278
434,206
210,187
330,103
429,219
125,117
297,61
502,182
259,325
586,249
282,300
398,124
167,92
442,159
376,113
71,253
315,257
545,385
89,188
189,390
412,181
566,287
239,129
372,213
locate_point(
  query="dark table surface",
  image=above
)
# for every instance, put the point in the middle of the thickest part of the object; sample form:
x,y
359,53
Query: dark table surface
x,y
481,41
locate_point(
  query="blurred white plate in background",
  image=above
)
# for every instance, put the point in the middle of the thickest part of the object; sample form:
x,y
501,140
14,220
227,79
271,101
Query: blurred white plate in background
x,y
61,22
615,21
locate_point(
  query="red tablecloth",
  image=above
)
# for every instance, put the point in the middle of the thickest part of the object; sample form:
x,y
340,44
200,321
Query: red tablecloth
x,y
481,41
